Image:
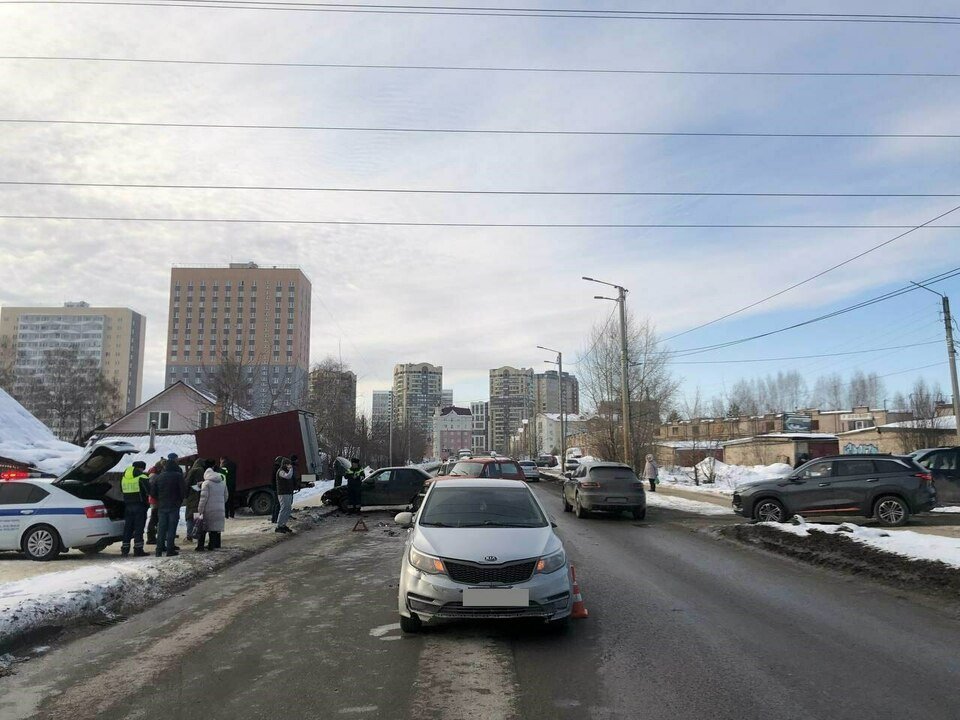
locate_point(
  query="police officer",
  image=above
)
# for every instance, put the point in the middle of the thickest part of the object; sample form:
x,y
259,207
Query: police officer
x,y
136,491
354,478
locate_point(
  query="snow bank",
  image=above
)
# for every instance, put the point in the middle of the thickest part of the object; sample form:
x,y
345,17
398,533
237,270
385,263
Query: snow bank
x,y
27,440
302,497
184,445
726,477
913,545
691,506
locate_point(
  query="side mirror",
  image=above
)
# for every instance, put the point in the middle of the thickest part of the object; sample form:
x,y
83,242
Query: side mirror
x,y
568,475
404,519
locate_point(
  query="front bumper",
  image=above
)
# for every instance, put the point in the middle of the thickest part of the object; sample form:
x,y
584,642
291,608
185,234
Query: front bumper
x,y
433,597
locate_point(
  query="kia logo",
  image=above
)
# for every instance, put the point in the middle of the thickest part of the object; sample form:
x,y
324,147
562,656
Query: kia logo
x,y
490,558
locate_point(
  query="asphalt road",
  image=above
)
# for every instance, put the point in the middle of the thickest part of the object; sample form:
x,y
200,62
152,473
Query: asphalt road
x,y
681,626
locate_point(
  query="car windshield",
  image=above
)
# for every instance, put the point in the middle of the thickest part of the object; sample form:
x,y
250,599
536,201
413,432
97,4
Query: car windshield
x,y
463,507
467,469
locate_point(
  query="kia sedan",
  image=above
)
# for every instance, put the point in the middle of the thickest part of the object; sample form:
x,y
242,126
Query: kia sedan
x,y
482,549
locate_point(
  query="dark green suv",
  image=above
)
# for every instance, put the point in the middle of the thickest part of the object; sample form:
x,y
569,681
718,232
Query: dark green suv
x,y
888,488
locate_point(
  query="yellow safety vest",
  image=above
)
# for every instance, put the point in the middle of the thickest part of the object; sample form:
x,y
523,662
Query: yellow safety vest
x,y
130,484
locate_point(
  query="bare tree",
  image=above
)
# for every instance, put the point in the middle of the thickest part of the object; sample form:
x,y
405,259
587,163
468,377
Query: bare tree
x,y
332,400
926,428
232,384
864,390
651,387
829,392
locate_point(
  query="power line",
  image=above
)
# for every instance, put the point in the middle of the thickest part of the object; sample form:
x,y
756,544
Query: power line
x,y
446,191
479,131
467,11
480,68
391,223
814,277
806,357
857,306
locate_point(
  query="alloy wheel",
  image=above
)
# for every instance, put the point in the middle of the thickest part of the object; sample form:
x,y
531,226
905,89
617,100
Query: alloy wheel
x,y
890,511
769,512
40,543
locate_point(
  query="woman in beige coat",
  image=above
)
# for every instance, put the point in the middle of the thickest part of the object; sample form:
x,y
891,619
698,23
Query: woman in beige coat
x,y
213,500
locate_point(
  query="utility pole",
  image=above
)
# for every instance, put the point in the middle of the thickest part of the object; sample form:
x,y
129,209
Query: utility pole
x,y
563,419
951,354
621,300
390,462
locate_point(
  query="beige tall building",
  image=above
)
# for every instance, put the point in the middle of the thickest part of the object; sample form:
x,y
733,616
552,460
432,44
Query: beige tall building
x,y
113,337
417,391
512,394
259,317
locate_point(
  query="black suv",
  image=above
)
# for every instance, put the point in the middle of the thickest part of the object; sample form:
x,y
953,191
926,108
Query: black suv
x,y
889,488
944,464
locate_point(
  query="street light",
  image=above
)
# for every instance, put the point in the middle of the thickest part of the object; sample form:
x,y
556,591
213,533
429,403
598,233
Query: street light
x,y
563,421
621,300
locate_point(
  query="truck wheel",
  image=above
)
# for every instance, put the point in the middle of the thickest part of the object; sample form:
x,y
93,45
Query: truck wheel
x,y
41,542
261,503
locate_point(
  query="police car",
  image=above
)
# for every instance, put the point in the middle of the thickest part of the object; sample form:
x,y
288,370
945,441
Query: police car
x,y
79,509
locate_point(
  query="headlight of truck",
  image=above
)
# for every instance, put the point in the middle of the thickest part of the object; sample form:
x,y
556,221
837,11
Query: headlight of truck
x,y
551,563
426,563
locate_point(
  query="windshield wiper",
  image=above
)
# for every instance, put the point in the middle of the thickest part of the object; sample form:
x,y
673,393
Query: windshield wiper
x,y
436,524
494,523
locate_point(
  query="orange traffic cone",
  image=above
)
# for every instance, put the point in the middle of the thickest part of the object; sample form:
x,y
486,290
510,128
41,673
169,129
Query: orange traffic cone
x,y
579,611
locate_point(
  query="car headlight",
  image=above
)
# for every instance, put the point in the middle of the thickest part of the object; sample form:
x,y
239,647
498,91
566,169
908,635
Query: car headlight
x,y
426,563
552,563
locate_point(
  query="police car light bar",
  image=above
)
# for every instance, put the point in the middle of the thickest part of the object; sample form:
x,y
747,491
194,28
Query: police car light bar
x,y
16,475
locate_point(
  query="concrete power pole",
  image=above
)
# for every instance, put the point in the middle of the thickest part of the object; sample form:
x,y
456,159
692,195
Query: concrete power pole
x,y
952,356
624,384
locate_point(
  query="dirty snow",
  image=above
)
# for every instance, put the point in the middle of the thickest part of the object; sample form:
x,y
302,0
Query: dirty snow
x,y
726,477
27,440
948,509
672,502
907,543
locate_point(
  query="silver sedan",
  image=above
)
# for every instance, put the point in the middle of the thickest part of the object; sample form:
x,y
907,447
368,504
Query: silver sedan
x,y
482,548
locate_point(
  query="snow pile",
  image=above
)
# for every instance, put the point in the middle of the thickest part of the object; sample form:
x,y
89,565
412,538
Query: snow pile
x,y
27,440
948,509
906,543
726,478
691,506
183,445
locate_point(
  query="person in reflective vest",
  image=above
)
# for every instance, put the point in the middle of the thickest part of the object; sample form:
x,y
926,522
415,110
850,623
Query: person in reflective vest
x,y
354,477
135,486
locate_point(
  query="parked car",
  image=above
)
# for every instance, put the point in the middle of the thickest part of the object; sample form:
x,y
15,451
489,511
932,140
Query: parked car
x,y
43,518
464,453
944,464
530,470
548,461
888,488
482,549
604,486
387,486
571,464
486,467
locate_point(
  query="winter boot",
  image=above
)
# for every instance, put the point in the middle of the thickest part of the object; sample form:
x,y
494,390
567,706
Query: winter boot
x,y
138,552
124,551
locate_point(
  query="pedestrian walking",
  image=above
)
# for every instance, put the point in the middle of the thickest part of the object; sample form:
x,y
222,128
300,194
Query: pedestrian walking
x,y
168,489
651,473
286,487
192,501
212,509
354,478
135,485
228,468
153,517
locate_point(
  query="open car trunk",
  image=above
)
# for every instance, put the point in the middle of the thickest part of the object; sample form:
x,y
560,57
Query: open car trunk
x,y
88,480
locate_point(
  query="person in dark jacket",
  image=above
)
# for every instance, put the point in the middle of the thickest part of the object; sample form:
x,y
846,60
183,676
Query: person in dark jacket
x,y
194,480
169,489
152,519
287,485
337,472
277,463
354,478
135,486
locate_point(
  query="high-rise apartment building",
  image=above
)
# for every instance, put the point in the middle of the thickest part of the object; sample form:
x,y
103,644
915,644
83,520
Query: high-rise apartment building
x,y
547,393
446,397
257,318
335,391
480,434
417,391
512,394
112,337
382,407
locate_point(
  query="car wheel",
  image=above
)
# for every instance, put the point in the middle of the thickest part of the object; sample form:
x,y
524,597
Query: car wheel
x,y
261,503
639,513
567,507
769,510
578,509
891,511
411,624
41,543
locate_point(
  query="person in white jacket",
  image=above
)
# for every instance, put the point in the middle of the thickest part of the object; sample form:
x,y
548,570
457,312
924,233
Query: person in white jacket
x,y
211,510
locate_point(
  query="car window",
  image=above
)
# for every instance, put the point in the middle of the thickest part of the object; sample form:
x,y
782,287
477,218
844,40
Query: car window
x,y
889,466
855,467
383,476
509,469
468,469
944,460
20,493
817,470
581,471
612,473
481,507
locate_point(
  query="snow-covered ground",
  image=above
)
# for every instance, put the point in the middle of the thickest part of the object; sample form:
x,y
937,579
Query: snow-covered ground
x,y
672,502
902,542
726,477
27,440
947,509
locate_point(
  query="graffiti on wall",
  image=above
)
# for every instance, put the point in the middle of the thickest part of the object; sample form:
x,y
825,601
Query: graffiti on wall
x,y
860,449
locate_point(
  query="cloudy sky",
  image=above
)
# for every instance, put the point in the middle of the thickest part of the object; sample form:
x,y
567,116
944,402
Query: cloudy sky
x,y
475,298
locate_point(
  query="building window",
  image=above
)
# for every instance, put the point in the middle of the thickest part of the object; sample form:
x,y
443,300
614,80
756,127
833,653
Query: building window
x,y
206,418
161,418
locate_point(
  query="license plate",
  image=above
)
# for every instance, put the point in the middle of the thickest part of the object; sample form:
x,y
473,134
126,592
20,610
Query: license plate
x,y
616,500
496,597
